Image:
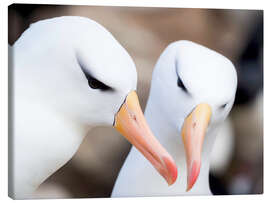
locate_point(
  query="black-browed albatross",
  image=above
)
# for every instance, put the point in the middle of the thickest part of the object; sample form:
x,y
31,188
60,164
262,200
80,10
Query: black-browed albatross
x,y
192,92
70,74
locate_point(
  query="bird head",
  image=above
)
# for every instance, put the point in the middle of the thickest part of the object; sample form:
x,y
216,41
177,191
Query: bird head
x,y
86,76
196,88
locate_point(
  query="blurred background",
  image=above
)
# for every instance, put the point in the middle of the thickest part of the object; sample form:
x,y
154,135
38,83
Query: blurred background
x,y
237,158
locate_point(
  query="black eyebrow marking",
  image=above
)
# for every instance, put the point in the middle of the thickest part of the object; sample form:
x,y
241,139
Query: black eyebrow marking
x,y
92,81
224,105
179,81
181,84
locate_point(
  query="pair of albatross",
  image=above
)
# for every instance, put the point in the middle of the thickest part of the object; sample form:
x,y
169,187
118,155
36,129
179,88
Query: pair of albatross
x,y
70,74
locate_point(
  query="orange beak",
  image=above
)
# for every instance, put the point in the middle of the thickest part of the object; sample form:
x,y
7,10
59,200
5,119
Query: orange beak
x,y
193,133
130,122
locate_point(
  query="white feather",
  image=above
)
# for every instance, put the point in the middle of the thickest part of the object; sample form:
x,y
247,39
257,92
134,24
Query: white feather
x,y
209,77
53,105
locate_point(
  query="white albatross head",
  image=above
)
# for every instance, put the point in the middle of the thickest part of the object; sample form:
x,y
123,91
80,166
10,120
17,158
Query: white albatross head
x,y
196,88
83,73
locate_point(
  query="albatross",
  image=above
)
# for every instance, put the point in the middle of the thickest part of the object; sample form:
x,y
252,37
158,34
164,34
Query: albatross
x,y
192,92
69,75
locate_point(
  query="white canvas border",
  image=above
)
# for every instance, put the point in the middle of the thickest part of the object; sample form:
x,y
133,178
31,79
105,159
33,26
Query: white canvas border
x,y
233,4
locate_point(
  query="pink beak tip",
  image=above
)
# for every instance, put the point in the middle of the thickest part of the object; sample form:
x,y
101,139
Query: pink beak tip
x,y
172,171
193,175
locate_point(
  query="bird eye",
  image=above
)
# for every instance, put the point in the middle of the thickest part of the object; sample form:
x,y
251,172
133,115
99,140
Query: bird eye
x,y
223,106
181,85
95,84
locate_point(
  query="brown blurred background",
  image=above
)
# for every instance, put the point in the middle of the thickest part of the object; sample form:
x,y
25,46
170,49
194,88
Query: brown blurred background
x,y
237,166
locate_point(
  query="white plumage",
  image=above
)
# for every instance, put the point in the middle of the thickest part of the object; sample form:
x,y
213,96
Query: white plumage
x,y
206,79
53,104
69,74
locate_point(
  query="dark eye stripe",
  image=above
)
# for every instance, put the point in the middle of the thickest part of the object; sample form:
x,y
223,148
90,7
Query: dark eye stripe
x,y
223,106
179,81
181,84
93,82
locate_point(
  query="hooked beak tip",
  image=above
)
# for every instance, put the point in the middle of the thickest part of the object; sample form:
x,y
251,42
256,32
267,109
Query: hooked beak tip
x,y
193,175
131,123
171,171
